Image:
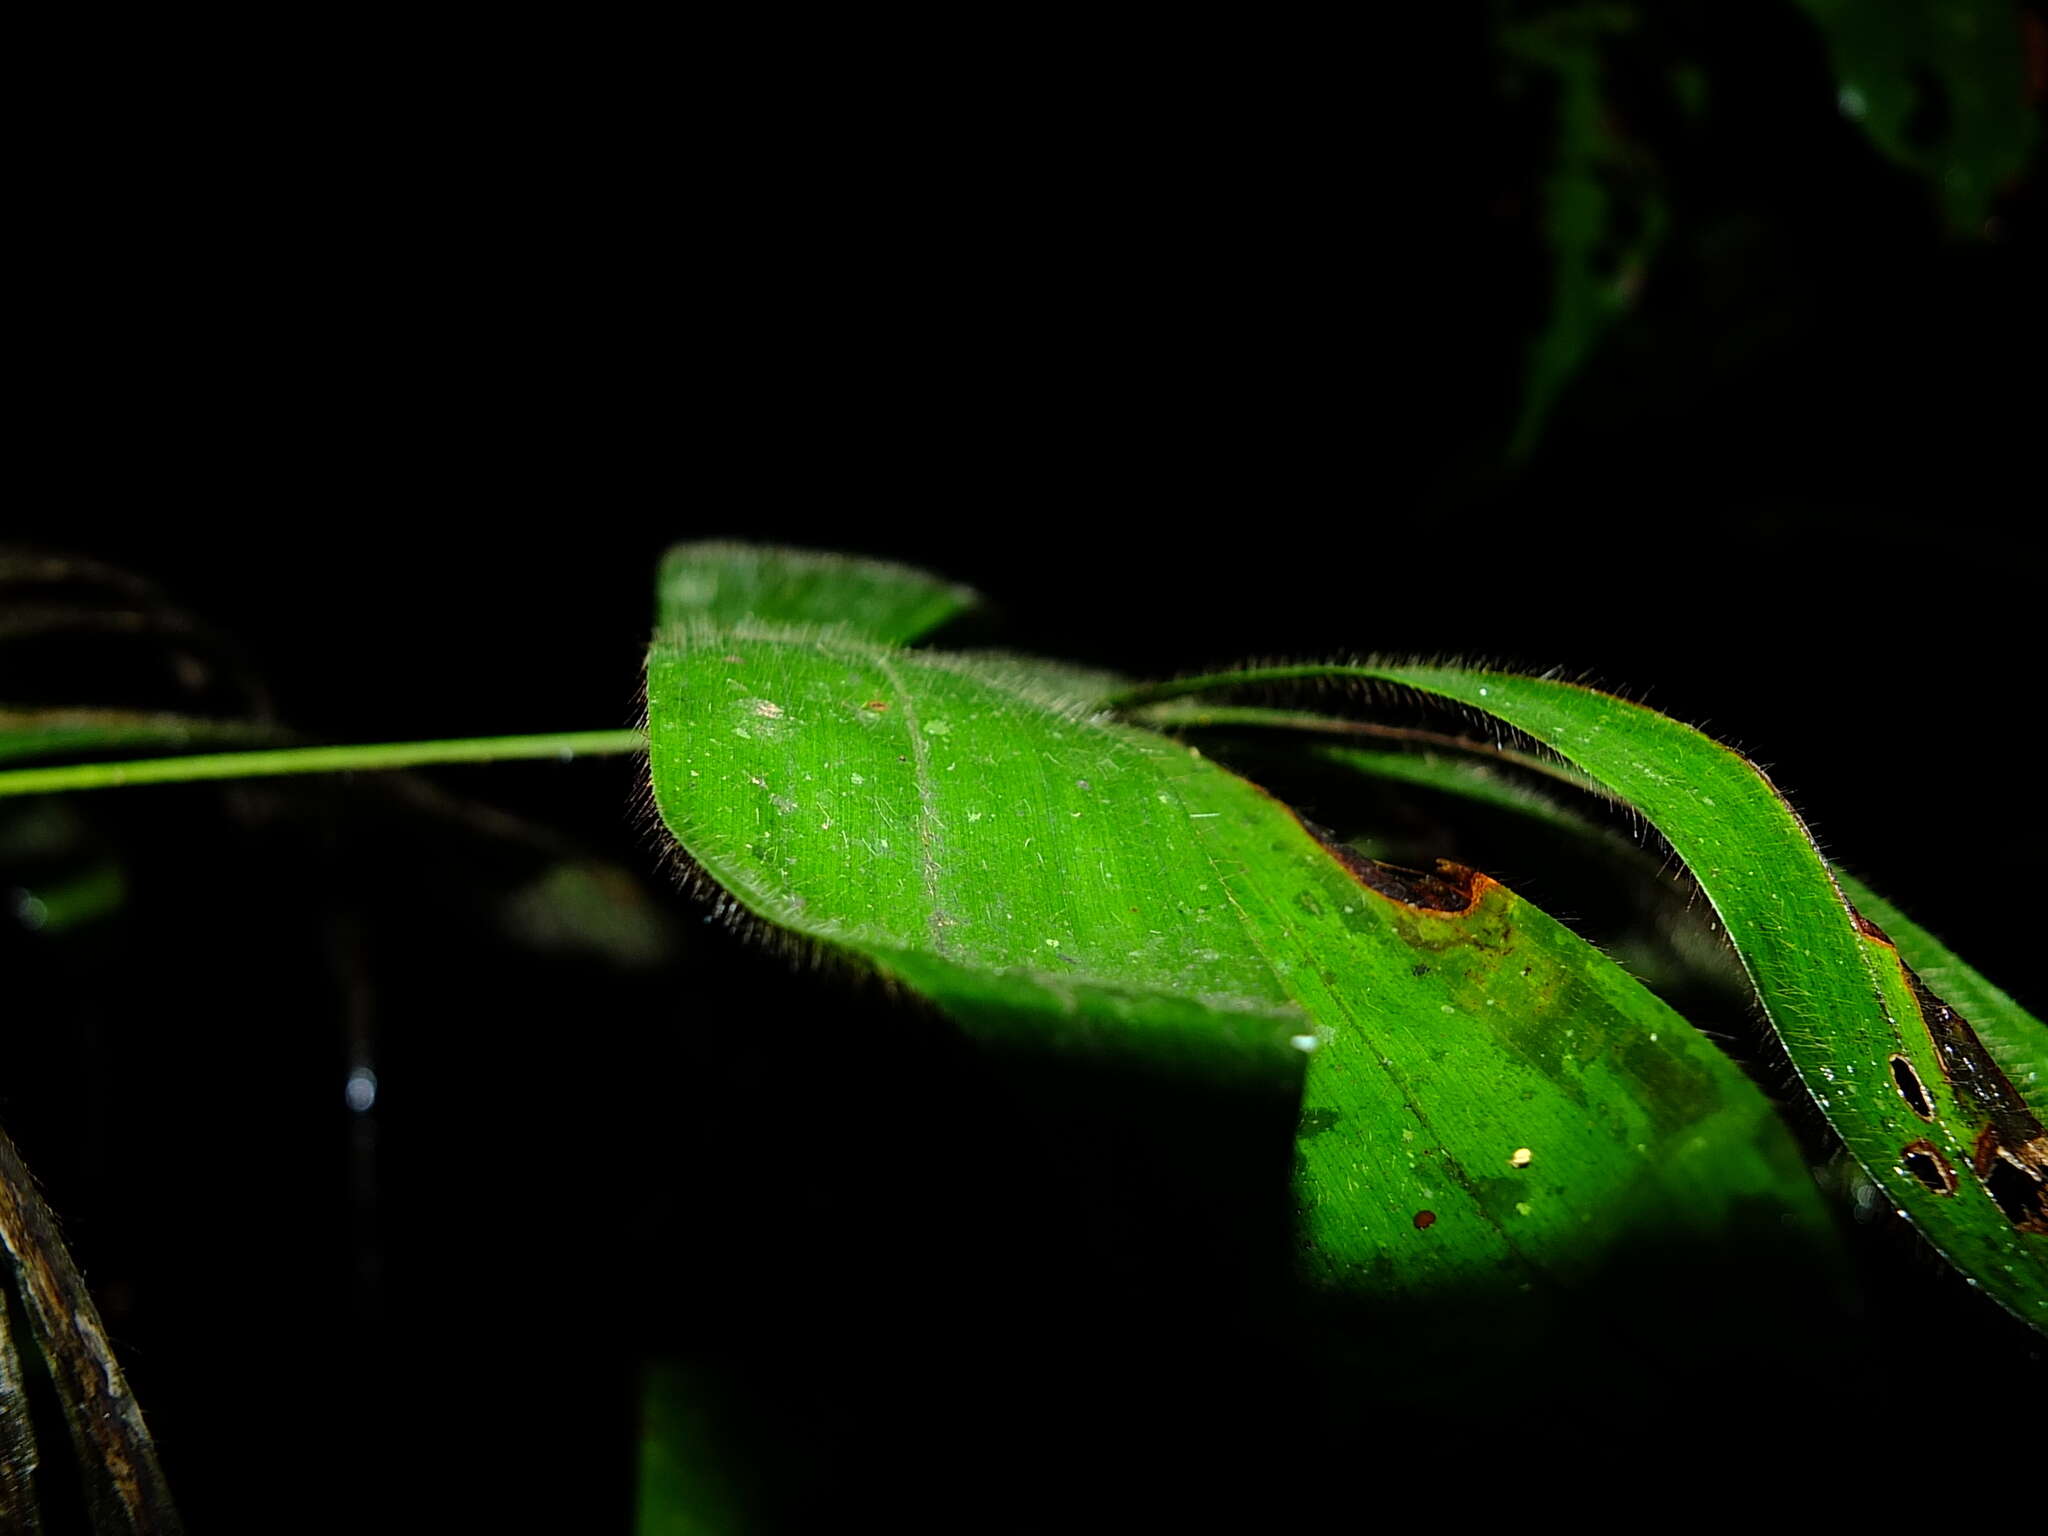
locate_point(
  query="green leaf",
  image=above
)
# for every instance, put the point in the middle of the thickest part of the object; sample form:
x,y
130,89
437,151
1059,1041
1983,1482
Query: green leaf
x,y
962,826
874,599
589,907
1489,1099
1941,1115
1604,213
1940,87
55,876
685,1488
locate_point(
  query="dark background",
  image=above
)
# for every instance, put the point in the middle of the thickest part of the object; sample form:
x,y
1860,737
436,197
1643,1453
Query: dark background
x,y
1183,350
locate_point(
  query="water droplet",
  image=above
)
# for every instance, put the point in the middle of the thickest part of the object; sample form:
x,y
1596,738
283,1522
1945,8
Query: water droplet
x,y
361,1091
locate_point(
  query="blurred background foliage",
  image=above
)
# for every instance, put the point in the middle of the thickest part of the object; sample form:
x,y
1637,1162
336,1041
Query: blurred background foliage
x,y
1947,89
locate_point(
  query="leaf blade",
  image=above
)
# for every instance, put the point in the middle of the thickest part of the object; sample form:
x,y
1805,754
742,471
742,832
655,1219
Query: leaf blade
x,y
991,841
726,583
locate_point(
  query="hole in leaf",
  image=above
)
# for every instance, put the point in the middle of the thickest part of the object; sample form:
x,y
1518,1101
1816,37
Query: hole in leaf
x,y
1925,1163
1911,1088
2023,1198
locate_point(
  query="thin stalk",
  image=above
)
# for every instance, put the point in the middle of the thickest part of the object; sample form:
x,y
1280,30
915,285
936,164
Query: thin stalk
x,y
342,759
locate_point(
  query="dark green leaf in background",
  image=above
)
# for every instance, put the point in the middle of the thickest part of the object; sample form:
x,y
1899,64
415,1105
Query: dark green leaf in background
x,y
1940,87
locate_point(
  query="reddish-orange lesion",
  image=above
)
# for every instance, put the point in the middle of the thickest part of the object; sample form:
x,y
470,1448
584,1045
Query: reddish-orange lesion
x,y
1451,890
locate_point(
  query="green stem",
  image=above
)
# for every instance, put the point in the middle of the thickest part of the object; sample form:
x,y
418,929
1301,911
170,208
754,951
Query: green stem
x,y
270,764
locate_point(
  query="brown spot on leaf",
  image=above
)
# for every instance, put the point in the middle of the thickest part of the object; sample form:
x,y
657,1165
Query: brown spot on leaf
x,y
1424,1220
877,705
1452,890
1870,930
1985,1152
